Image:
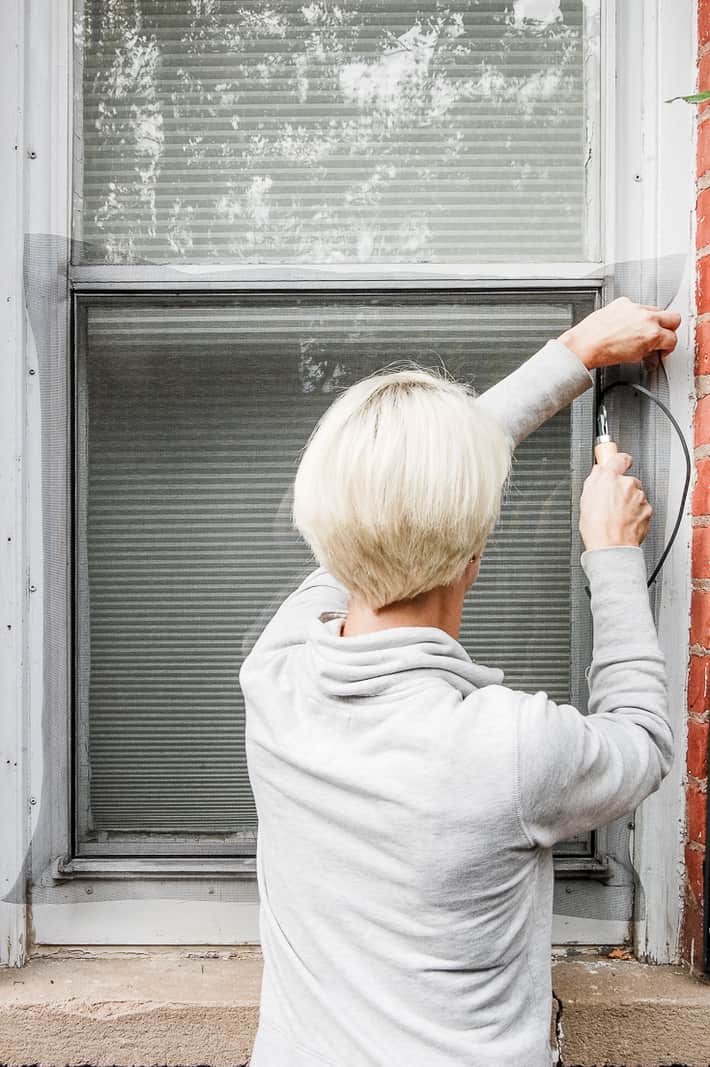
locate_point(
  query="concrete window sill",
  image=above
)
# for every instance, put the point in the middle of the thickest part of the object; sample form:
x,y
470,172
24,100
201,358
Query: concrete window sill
x,y
140,1007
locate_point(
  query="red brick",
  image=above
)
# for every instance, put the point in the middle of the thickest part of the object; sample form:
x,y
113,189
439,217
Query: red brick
x,y
704,73
696,821
703,161
701,552
703,22
697,748
702,348
703,285
701,492
692,934
702,211
702,421
694,859
700,618
703,79
699,682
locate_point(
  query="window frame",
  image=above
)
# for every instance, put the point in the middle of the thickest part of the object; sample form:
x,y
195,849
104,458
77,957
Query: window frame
x,y
589,861
429,279
597,14
153,911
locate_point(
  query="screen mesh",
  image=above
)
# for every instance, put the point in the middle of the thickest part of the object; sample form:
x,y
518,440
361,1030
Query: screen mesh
x,y
192,414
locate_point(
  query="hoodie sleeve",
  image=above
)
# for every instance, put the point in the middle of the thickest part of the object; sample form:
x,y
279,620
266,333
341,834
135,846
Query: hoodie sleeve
x,y
319,592
539,388
580,772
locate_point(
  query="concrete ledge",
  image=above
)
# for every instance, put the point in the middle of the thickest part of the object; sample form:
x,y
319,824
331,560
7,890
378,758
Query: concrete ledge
x,y
131,1008
629,1014
164,1007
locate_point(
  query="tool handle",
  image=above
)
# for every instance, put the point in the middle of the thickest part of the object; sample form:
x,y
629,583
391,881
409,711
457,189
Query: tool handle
x,y
604,451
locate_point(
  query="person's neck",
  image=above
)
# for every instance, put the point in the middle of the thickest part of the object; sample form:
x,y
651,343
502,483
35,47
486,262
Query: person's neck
x,y
439,607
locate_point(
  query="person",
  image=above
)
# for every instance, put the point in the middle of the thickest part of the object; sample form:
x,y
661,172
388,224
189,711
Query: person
x,y
408,801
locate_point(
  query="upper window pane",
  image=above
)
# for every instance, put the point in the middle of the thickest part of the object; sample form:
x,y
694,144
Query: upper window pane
x,y
362,132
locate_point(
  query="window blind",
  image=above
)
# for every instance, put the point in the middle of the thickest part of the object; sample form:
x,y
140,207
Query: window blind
x,y
365,132
192,414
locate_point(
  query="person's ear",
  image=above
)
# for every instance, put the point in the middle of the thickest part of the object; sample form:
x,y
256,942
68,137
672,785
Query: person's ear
x,y
472,569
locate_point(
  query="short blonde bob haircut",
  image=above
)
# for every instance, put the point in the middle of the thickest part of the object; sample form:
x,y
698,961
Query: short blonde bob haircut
x,y
400,484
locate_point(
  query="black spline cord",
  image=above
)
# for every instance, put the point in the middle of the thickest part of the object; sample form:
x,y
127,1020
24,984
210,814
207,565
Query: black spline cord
x,y
686,452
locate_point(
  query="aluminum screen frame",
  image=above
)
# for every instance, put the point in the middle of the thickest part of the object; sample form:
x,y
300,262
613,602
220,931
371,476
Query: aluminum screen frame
x,y
574,857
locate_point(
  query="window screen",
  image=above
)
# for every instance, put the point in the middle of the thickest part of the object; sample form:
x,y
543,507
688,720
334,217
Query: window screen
x,y
191,414
362,132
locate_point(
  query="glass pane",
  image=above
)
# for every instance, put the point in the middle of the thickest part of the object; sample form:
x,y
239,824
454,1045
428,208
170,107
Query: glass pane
x,y
365,132
192,413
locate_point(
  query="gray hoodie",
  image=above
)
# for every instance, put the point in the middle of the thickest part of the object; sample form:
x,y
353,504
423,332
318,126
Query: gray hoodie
x,y
408,802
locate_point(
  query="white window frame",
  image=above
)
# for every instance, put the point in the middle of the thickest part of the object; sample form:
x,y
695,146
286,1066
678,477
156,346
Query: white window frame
x,y
645,165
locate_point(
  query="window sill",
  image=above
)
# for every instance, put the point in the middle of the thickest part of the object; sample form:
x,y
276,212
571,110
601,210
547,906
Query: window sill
x,y
241,867
154,867
200,1005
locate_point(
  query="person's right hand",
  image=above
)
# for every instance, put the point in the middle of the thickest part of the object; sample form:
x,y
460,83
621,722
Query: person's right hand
x,y
613,509
622,332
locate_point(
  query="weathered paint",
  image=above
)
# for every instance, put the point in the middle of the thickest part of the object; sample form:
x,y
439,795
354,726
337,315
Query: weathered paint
x,y
649,216
13,578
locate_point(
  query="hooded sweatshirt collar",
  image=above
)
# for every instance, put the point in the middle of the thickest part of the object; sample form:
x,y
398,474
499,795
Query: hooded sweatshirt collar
x,y
377,664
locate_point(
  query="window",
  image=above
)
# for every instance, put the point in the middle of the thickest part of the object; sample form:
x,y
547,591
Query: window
x,y
270,201
297,138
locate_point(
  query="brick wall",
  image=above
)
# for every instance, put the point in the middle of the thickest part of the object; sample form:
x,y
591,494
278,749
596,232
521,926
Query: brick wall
x,y
699,670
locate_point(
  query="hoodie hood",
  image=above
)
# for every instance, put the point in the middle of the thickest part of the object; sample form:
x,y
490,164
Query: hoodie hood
x,y
377,664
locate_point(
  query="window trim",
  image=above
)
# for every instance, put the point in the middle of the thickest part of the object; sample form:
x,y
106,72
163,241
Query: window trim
x,y
13,474
654,218
326,278
64,914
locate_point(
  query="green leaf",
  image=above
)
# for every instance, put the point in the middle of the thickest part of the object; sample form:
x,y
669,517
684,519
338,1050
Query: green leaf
x,y
694,98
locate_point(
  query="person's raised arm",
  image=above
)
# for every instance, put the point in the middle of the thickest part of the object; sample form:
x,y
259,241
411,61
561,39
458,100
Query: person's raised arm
x,y
552,378
621,332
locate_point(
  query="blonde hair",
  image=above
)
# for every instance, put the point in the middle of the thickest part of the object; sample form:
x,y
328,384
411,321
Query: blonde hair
x,y
400,484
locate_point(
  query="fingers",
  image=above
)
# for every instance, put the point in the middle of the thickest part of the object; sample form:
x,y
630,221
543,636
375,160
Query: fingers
x,y
667,340
662,325
669,320
645,516
619,463
613,508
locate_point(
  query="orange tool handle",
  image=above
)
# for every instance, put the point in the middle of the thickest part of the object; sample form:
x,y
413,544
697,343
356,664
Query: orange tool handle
x,y
604,451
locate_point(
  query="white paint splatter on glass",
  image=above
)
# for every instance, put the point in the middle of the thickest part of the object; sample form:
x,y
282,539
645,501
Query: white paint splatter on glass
x,y
544,12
